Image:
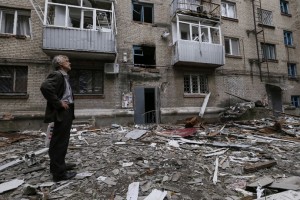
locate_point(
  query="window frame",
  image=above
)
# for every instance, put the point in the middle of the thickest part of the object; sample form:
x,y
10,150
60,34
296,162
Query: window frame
x,y
15,27
269,51
284,7
227,3
262,17
188,87
142,14
13,71
292,70
288,38
295,100
230,46
142,49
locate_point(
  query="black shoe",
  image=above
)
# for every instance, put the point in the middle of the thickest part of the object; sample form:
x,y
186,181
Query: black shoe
x,y
70,166
65,176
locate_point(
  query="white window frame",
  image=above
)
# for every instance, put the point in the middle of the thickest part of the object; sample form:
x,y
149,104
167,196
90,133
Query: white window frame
x,y
288,38
231,46
271,52
15,13
295,100
265,17
82,8
284,7
200,78
227,5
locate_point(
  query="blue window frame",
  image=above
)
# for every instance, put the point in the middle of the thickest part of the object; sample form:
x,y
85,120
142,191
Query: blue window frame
x,y
142,12
292,70
284,7
295,101
288,38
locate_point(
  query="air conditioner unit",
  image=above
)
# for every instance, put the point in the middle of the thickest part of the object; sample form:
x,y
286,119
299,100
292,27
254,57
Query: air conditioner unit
x,y
111,68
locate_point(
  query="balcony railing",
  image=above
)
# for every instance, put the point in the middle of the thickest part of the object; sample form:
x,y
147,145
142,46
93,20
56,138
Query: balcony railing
x,y
199,54
57,38
196,7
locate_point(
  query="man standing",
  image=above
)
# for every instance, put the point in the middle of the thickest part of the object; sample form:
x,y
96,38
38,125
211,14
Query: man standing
x,y
60,109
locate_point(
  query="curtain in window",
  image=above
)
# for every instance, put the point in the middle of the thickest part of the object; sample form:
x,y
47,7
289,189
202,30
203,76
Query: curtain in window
x,y
23,25
8,23
231,11
223,9
235,47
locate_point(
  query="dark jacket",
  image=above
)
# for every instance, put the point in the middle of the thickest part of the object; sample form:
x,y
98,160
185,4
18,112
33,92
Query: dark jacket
x,y
53,89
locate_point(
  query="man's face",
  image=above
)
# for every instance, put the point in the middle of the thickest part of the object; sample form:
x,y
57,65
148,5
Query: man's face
x,y
65,65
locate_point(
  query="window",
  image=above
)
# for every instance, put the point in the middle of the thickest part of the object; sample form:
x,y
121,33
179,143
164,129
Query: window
x,y
191,31
265,17
14,22
144,55
142,12
292,70
268,51
232,46
93,15
284,7
295,101
228,9
195,84
13,79
86,81
288,38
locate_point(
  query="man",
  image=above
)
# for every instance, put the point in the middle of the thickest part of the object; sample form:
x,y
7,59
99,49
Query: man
x,y
60,109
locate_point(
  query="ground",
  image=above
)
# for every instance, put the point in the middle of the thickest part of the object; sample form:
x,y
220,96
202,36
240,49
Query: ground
x,y
159,158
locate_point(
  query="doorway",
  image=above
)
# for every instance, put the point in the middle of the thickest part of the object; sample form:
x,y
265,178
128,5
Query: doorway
x,y
146,105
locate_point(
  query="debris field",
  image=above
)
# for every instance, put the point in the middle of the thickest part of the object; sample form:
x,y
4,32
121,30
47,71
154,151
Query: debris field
x,y
255,159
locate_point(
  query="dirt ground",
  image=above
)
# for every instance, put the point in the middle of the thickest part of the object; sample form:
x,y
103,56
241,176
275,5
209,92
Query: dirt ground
x,y
207,161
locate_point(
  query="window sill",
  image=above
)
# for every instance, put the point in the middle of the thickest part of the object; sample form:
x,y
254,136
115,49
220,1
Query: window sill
x,y
233,56
187,95
286,14
230,19
144,23
270,60
290,46
23,37
266,26
293,78
89,96
13,96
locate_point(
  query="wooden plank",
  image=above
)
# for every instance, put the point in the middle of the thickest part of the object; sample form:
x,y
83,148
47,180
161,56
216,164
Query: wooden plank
x,y
258,166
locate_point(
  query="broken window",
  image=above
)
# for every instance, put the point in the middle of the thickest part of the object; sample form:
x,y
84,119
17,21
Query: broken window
x,y
86,79
144,55
91,15
13,79
265,17
195,84
292,70
16,22
228,9
268,51
295,101
232,46
142,12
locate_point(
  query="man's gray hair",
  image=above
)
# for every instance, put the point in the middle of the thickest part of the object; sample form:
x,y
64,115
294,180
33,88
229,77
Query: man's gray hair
x,y
57,60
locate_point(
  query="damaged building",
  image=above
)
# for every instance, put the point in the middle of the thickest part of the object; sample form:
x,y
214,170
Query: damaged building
x,y
149,61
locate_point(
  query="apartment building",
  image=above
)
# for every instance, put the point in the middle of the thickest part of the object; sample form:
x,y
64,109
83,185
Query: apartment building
x,y
151,61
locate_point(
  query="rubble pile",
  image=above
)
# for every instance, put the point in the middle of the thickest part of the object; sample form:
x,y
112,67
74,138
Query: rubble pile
x,y
256,159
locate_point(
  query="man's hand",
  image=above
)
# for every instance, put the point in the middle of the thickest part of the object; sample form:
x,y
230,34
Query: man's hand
x,y
64,104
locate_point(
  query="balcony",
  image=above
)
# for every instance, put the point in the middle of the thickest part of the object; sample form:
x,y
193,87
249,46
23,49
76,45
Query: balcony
x,y
82,28
90,43
198,8
198,54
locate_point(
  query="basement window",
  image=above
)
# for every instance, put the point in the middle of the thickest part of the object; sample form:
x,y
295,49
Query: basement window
x,y
292,70
295,100
87,79
15,22
195,84
13,79
142,12
144,56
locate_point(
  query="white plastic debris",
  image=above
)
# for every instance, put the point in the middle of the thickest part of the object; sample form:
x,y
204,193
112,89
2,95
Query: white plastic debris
x,y
10,185
173,143
133,191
